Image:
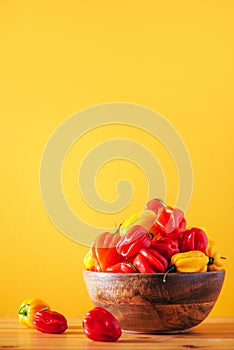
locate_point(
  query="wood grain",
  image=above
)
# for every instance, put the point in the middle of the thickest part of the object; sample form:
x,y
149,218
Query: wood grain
x,y
211,334
143,303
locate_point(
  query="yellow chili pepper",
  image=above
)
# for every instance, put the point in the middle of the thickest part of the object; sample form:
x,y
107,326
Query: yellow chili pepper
x,y
28,309
216,261
145,219
188,262
88,261
127,222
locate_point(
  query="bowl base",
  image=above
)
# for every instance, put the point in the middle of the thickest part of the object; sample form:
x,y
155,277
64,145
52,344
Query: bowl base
x,y
182,331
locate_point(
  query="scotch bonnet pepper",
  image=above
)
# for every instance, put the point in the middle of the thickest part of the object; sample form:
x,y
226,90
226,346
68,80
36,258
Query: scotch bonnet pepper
x,y
216,261
188,262
134,240
150,261
193,239
128,223
166,246
48,321
100,325
170,219
145,219
28,309
89,262
103,250
122,267
156,205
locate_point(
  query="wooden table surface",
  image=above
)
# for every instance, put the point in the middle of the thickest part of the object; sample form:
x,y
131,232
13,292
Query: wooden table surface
x,y
211,334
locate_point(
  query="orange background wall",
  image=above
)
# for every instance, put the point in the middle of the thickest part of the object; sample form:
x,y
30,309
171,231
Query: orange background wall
x,y
59,57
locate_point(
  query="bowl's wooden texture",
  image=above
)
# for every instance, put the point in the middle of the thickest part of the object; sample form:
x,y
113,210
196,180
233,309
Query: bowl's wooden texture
x,y
144,303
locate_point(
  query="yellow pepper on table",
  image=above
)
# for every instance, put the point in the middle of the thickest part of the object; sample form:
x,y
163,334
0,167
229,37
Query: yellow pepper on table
x,y
28,309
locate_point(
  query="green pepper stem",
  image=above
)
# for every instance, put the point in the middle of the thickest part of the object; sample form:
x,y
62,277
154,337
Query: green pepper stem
x,y
211,261
172,268
116,228
151,235
24,312
134,268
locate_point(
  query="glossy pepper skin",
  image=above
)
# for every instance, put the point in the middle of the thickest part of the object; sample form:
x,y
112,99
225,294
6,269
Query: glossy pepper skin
x,y
188,262
156,205
166,246
88,261
48,321
216,261
103,250
177,231
145,219
28,309
100,325
128,223
122,267
169,219
192,261
134,240
193,239
150,261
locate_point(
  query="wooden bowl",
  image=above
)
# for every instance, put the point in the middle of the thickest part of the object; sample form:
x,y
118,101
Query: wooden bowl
x,y
143,303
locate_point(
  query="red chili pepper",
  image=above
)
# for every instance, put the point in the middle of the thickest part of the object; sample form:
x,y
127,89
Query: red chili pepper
x,y
100,325
170,219
156,205
122,268
150,261
193,239
156,232
166,246
177,232
48,321
103,250
134,240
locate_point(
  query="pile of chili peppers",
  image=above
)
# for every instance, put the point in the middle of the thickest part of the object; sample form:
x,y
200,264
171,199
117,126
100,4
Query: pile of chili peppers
x,y
156,240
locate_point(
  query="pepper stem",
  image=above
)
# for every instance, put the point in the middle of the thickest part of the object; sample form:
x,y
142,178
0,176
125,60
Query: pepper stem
x,y
172,268
134,268
116,228
151,235
24,312
211,260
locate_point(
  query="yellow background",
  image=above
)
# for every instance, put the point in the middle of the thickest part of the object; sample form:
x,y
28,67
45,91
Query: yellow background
x,y
61,56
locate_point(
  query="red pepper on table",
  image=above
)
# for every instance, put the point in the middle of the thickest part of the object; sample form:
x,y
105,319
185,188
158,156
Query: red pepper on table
x,y
193,239
122,267
134,240
103,250
166,246
150,261
169,219
48,321
100,325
